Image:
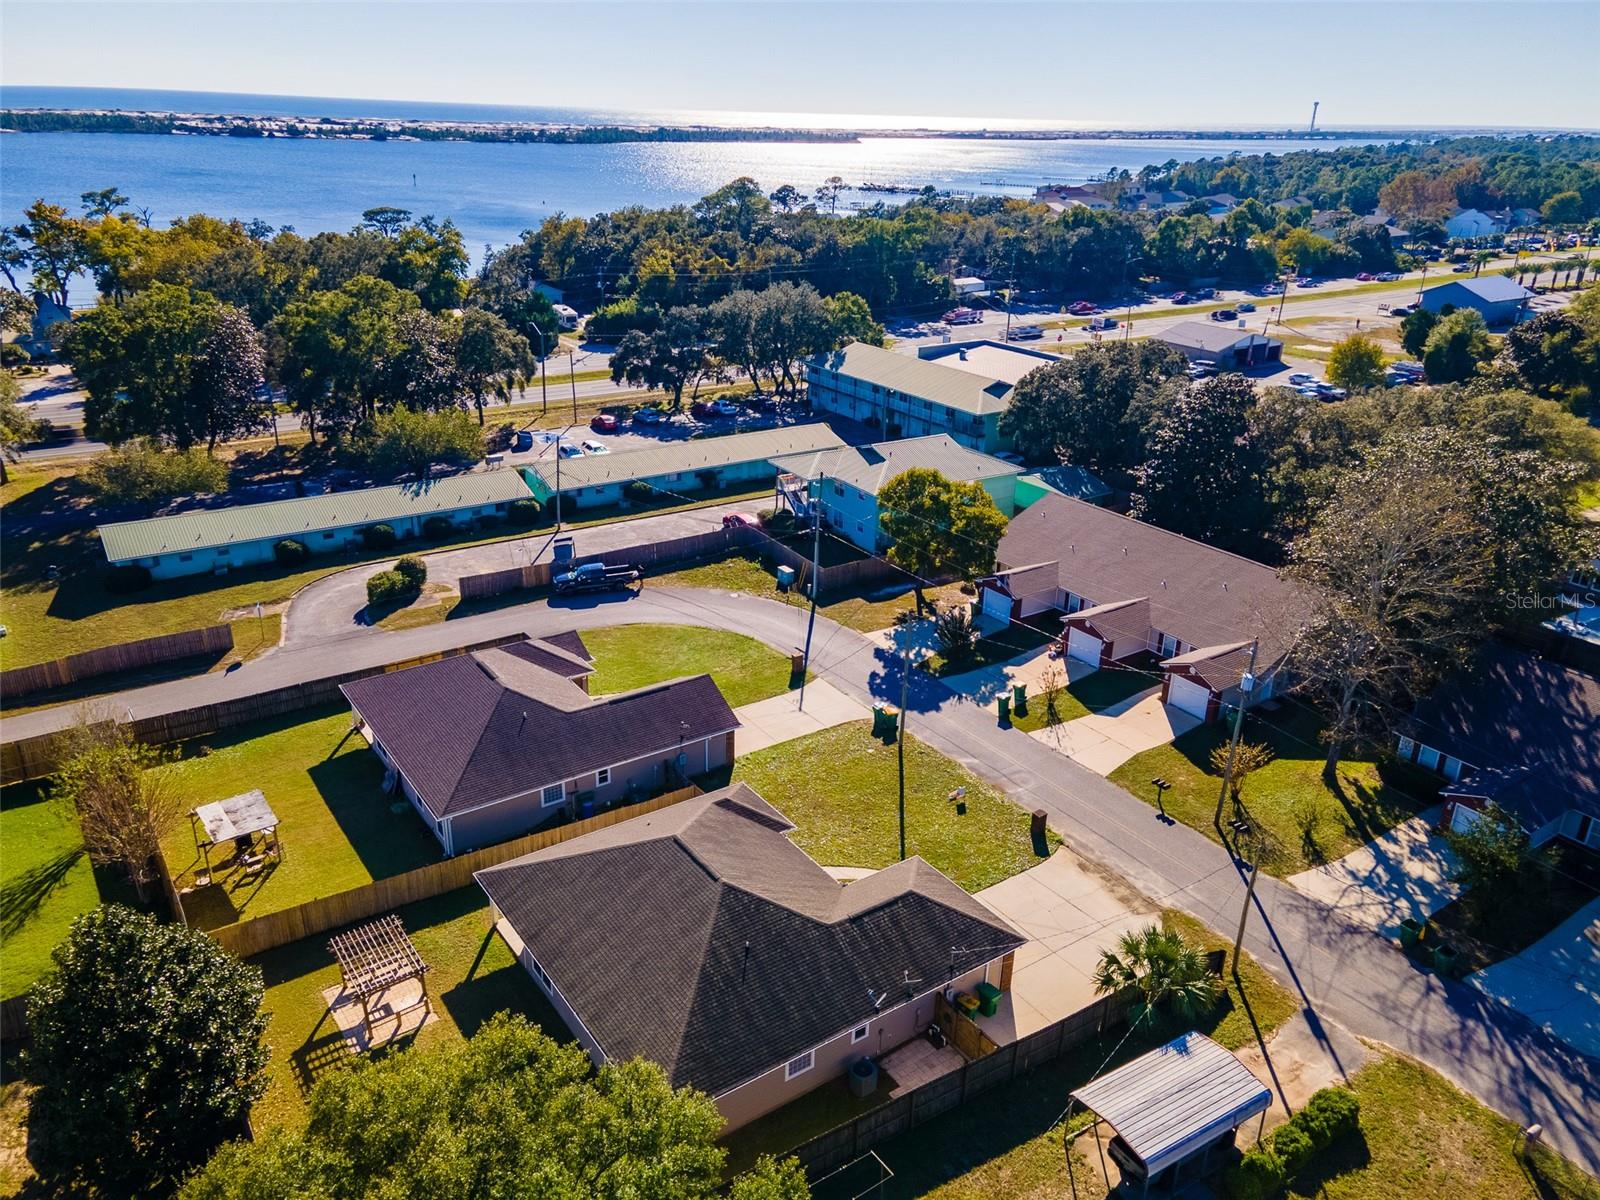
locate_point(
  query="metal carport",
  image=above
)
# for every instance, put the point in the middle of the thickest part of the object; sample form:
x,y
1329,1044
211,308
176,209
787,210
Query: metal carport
x,y
1172,1107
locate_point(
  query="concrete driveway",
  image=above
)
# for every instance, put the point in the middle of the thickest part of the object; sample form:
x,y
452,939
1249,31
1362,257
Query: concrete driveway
x,y
1556,981
1105,740
1402,874
1070,915
780,718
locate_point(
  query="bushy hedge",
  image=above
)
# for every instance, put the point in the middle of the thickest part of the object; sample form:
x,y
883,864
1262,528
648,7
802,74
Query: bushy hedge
x,y
378,537
488,521
779,522
1265,1170
413,570
290,552
437,527
638,491
526,512
388,586
129,577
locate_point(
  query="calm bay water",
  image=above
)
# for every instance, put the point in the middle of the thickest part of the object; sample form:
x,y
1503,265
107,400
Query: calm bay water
x,y
495,191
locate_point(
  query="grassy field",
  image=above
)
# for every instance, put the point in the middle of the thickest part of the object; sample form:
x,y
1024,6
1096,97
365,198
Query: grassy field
x,y
1307,820
840,788
338,829
1093,693
632,656
471,977
998,647
45,881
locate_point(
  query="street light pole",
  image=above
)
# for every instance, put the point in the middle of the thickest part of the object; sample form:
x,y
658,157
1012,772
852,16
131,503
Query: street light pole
x,y
1283,297
544,370
900,739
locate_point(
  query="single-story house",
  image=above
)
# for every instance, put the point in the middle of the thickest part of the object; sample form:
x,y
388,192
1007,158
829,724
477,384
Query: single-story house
x,y
1061,197
1065,480
218,539
958,388
848,480
692,465
1521,731
970,285
701,938
1468,223
1228,344
1128,589
1501,301
491,744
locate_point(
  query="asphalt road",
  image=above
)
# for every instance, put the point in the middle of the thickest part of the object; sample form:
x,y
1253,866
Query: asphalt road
x,y
1338,970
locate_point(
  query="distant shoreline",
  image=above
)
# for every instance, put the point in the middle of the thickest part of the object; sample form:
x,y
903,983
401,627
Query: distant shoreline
x,y
151,122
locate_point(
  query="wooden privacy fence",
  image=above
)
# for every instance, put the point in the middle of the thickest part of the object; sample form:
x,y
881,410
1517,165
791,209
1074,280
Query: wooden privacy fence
x,y
35,757
108,660
849,1141
14,1018
270,930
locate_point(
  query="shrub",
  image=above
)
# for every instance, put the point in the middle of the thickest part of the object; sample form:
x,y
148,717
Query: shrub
x,y
1259,1175
413,570
526,512
779,523
1329,1115
639,491
958,636
378,537
129,577
143,472
387,586
488,521
1293,1147
289,552
437,527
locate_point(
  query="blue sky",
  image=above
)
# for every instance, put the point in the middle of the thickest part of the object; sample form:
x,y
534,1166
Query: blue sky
x,y
1103,62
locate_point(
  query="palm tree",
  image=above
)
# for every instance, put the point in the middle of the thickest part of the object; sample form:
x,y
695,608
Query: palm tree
x,y
1169,974
1479,259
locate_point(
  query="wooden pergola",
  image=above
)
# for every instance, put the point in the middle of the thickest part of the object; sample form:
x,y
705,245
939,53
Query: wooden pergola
x,y
376,957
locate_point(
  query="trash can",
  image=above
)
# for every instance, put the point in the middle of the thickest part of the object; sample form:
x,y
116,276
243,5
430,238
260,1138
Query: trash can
x,y
1005,710
1444,959
1410,932
863,1077
885,720
797,662
966,1003
988,998
1019,699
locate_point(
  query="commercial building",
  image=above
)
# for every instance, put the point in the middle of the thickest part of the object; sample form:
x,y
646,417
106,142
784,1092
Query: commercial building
x,y
1222,342
954,388
846,481
692,465
220,539
1501,301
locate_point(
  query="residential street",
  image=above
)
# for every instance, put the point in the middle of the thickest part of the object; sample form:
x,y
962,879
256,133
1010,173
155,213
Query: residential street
x,y
1340,969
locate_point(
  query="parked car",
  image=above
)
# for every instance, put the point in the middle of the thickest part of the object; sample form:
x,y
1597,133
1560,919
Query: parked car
x,y
1180,297
1328,392
1205,293
1461,268
594,577
1081,308
1024,333
603,423
569,450
1402,310
647,416
1269,289
700,410
1245,306
1201,370
1101,323
740,520
760,402
1310,283
724,408
1300,378
962,316
1387,276
593,447
1224,314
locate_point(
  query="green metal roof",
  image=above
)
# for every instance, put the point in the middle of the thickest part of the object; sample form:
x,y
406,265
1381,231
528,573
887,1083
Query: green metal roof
x,y
696,454
922,379
308,514
870,467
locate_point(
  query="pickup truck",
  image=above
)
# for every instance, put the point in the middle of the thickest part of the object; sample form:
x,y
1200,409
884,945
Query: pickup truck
x,y
595,577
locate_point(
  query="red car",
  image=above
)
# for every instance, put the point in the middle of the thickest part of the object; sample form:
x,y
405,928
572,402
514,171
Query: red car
x,y
603,423
1365,277
1081,308
739,520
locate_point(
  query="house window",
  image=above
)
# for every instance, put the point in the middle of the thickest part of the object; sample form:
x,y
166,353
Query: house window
x,y
859,1033
554,794
223,551
799,1066
602,777
185,558
1428,757
838,489
536,970
1408,749
328,537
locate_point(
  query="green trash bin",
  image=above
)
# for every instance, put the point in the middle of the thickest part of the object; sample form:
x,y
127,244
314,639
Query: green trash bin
x,y
1410,932
1005,710
988,998
1019,699
1444,959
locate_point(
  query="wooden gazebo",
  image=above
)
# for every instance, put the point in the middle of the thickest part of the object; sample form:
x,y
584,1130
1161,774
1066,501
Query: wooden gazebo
x,y
375,957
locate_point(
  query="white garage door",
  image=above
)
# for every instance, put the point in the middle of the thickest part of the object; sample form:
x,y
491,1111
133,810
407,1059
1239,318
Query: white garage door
x,y
996,604
1187,696
1084,647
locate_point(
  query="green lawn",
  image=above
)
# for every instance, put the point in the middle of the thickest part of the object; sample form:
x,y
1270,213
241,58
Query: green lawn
x,y
45,881
1306,820
471,976
632,656
998,647
813,1114
338,828
1094,693
839,786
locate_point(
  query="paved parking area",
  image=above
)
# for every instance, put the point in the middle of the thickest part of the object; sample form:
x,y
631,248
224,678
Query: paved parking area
x,y
1403,873
1556,981
1105,740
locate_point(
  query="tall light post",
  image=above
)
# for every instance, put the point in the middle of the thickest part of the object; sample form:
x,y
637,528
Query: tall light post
x,y
544,374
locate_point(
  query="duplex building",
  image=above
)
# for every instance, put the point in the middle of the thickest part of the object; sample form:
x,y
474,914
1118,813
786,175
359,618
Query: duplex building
x,y
844,483
1501,301
1521,732
1128,590
691,465
492,744
700,937
220,539
955,388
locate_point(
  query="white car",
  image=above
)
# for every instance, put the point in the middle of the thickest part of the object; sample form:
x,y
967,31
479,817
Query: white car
x,y
569,450
1300,378
593,447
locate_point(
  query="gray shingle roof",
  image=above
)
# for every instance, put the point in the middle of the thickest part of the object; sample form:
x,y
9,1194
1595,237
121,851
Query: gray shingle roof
x,y
692,454
702,938
1492,289
1197,593
480,727
1214,337
911,376
308,514
870,467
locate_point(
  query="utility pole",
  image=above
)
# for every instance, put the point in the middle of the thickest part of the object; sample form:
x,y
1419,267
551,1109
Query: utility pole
x,y
1247,684
1283,297
816,564
558,481
900,738
1249,898
544,370
572,375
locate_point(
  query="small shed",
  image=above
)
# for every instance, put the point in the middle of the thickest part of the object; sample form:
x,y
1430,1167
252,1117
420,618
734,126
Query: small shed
x,y
1175,1107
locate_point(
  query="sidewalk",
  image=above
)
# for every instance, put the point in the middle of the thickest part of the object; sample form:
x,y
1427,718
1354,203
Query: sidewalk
x,y
1103,741
780,719
1404,873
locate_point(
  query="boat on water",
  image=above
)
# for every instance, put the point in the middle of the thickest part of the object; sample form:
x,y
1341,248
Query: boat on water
x,y
892,189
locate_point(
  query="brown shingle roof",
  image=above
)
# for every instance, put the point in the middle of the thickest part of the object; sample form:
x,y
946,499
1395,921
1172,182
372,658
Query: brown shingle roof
x,y
702,938
470,730
1197,593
